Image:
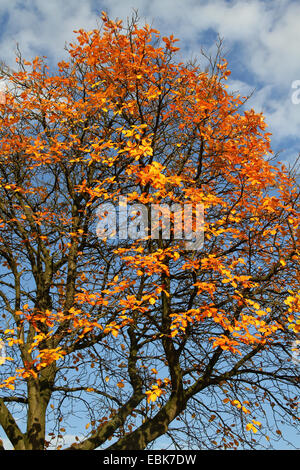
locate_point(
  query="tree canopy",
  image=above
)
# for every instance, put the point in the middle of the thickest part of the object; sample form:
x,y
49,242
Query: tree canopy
x,y
142,341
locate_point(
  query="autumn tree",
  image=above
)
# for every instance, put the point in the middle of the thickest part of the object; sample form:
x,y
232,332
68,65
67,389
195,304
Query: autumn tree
x,y
138,338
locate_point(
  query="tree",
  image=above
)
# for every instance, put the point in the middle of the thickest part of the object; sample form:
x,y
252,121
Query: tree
x,y
142,336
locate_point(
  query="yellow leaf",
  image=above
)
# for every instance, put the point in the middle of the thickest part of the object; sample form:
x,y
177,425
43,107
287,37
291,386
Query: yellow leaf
x,y
153,394
251,427
257,423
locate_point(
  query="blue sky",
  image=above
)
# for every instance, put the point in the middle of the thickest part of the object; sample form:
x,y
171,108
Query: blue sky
x,y
261,43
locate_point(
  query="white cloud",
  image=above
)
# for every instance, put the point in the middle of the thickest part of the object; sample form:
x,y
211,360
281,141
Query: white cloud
x,y
43,27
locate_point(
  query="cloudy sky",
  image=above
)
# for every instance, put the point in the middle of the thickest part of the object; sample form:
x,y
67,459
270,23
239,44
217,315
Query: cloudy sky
x,y
261,44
